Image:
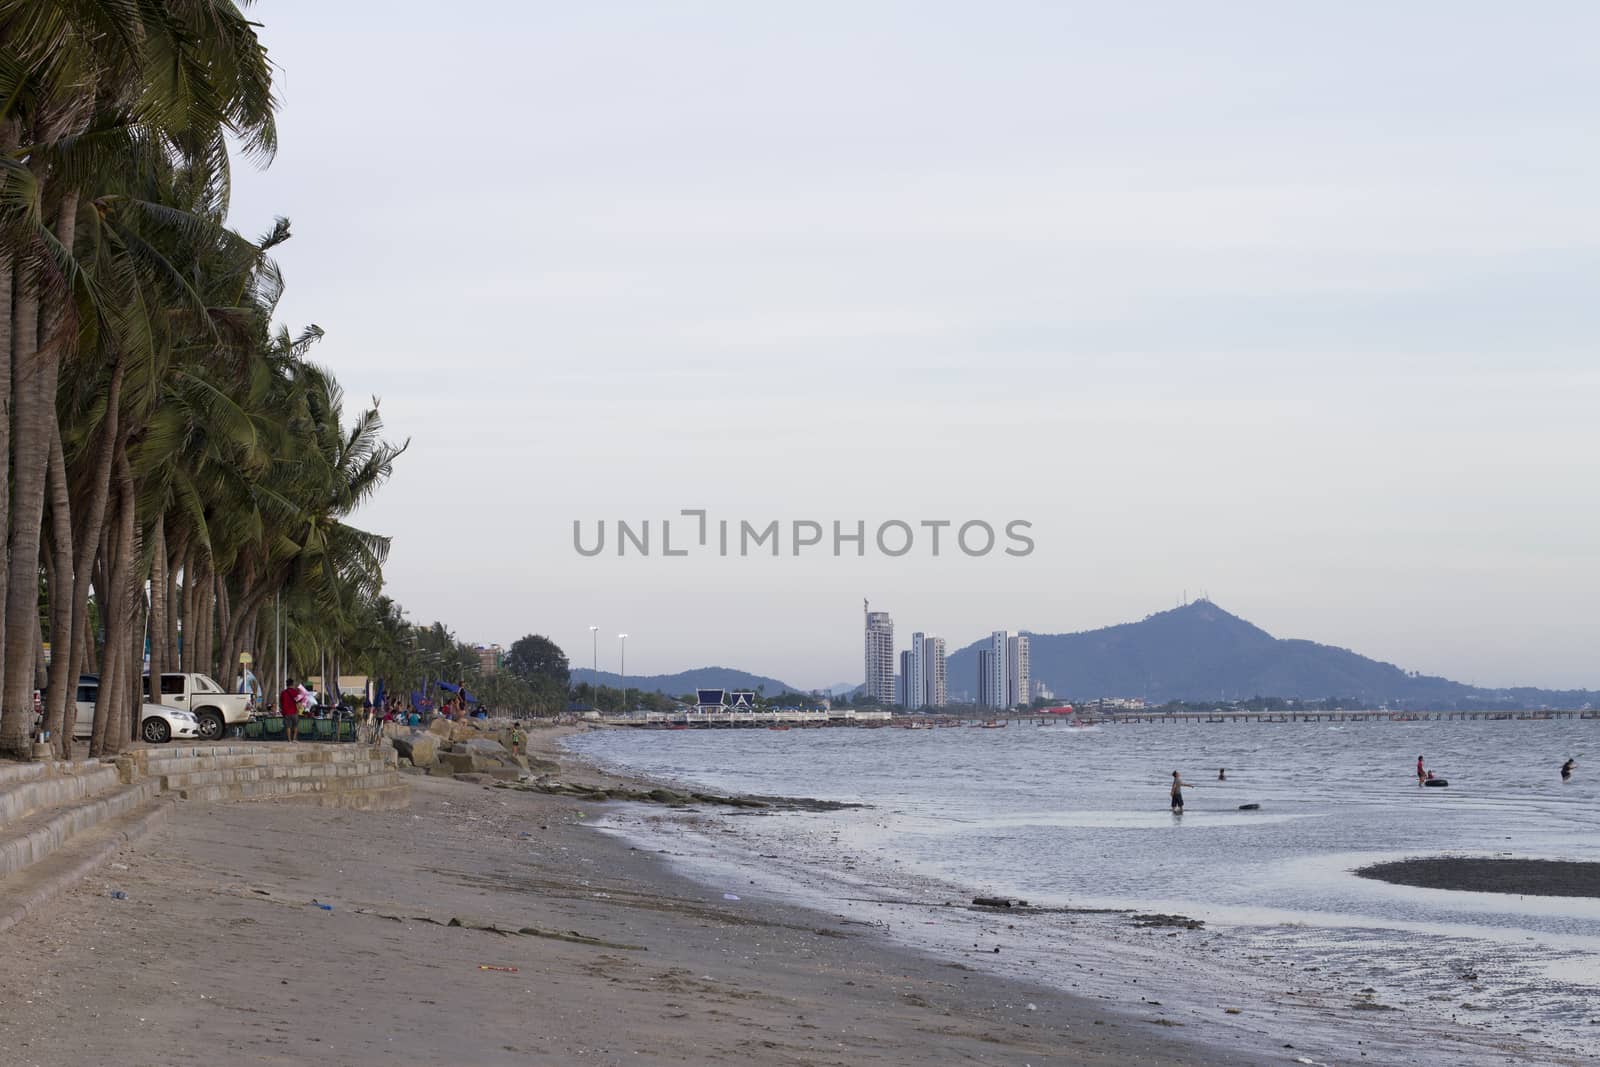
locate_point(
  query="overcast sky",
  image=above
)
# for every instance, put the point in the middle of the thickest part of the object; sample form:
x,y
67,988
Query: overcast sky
x,y
1294,305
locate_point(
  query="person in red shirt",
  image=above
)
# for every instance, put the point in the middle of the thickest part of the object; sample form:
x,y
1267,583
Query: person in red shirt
x,y
289,708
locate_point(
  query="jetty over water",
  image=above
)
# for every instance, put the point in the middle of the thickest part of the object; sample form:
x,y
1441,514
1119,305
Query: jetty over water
x,y
1156,715
789,718
730,717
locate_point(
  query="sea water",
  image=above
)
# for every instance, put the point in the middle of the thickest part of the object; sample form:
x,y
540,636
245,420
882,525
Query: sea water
x,y
1079,817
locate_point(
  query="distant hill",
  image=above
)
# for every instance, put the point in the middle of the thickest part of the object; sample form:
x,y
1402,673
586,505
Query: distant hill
x,y
686,681
1200,652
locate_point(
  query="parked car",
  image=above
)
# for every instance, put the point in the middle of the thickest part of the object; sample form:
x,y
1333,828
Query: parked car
x,y
214,707
158,724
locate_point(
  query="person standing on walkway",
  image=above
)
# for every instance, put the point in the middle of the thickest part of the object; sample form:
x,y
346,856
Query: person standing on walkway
x,y
289,708
1178,786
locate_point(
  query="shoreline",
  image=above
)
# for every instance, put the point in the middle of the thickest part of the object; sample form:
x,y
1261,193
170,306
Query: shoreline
x,y
1281,999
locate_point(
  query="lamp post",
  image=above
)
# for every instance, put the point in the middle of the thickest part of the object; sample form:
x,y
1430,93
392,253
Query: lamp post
x,y
594,667
622,640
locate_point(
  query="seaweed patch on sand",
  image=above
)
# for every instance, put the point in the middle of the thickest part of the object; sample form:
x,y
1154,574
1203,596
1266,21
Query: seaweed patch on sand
x,y
1489,874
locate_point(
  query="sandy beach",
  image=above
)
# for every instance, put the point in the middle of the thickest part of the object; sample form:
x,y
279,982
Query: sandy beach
x,y
495,926
219,951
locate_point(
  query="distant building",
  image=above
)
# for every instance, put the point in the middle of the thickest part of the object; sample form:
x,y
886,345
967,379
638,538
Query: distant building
x,y
879,656
1004,671
904,684
913,667
936,691
1018,671
985,673
1042,690
996,688
489,659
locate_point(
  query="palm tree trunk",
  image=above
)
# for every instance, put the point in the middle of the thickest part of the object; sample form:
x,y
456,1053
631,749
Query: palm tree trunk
x,y
89,532
61,689
106,696
42,330
158,598
121,615
22,592
175,556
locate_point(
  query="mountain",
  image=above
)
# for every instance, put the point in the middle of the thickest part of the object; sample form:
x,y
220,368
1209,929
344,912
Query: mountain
x,y
1200,652
685,681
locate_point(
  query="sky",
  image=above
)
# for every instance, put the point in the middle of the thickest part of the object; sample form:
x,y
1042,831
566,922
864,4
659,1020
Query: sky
x,y
1291,305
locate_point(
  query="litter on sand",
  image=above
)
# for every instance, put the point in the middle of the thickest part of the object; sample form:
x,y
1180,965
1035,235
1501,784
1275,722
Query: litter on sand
x,y
730,896
492,967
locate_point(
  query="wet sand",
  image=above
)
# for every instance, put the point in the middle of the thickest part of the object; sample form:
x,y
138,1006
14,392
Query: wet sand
x,y
1525,877
568,947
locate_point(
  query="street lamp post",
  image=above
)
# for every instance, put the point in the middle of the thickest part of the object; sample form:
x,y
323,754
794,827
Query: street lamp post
x,y
594,679
622,639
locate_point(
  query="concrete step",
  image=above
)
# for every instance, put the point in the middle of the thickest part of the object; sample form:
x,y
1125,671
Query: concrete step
x,y
33,838
260,788
12,773
40,883
234,775
25,795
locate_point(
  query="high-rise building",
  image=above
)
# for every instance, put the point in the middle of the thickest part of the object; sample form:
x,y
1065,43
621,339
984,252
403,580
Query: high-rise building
x,y
996,690
1018,675
913,667
904,693
935,691
1003,671
879,656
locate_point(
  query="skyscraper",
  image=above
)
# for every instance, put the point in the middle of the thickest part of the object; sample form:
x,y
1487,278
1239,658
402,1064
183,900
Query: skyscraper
x,y
1003,671
1018,676
879,655
905,695
914,667
997,687
935,692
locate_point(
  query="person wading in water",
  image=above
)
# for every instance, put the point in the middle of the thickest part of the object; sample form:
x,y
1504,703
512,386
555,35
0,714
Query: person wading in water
x,y
1178,786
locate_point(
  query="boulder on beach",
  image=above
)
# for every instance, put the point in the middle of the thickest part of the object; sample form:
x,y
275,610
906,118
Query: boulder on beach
x,y
418,746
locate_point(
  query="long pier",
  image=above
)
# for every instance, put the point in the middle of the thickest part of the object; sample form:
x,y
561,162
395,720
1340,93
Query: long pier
x,y
793,718
1263,716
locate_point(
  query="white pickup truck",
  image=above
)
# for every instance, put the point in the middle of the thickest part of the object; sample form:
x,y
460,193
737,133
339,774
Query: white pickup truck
x,y
213,706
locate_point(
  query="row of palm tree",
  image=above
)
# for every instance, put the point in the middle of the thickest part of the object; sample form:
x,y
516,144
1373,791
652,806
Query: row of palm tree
x,y
181,472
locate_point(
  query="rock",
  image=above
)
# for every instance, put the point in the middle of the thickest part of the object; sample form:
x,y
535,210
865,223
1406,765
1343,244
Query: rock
x,y
458,762
467,730
441,727
537,766
419,746
483,747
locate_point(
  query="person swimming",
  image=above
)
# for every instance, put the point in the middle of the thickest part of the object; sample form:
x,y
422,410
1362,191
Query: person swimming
x,y
1566,770
1178,786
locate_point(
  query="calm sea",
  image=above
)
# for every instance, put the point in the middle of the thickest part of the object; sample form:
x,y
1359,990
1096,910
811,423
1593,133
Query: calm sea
x,y
1080,817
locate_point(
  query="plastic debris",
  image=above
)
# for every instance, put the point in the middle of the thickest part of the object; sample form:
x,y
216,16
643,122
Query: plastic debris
x,y
492,967
324,907
730,896
117,894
